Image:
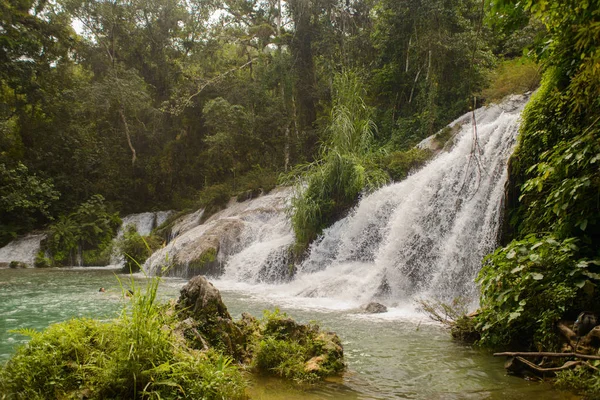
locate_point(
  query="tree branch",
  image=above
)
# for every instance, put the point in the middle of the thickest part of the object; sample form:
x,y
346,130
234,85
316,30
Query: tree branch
x,y
546,354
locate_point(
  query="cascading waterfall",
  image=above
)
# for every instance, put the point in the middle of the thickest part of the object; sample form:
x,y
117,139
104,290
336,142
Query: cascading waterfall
x,y
422,237
252,239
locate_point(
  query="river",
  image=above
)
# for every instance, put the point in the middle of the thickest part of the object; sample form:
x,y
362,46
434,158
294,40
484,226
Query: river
x,y
397,355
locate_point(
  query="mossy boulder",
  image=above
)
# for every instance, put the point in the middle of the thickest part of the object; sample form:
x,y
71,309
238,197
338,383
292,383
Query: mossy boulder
x,y
211,324
276,345
17,264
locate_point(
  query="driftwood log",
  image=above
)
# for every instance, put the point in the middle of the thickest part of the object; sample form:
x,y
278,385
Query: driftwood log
x,y
582,347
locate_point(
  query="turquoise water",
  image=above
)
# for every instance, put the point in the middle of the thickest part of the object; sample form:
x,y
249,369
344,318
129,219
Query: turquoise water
x,y
387,359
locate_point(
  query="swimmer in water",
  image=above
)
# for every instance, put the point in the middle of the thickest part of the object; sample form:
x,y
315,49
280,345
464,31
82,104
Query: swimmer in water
x,y
102,290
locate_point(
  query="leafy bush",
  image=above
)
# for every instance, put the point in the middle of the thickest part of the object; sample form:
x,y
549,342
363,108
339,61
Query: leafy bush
x,y
135,356
581,380
529,285
135,249
90,227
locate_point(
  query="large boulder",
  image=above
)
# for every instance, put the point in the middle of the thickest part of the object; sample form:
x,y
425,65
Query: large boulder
x,y
201,301
206,321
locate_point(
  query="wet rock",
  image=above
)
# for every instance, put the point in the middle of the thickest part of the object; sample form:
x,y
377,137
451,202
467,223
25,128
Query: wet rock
x,y
199,254
201,301
17,264
209,324
374,308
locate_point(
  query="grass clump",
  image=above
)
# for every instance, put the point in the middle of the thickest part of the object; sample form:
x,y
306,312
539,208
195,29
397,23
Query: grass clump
x,y
135,248
328,187
514,76
136,356
289,350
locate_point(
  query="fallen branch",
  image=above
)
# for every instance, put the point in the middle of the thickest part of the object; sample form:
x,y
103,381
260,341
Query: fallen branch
x,y
545,354
537,368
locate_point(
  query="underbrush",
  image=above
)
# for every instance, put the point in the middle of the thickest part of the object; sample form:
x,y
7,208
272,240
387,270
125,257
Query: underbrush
x,y
514,76
136,356
154,351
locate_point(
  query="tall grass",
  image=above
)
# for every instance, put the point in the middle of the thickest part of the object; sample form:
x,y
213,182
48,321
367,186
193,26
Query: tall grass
x,y
136,356
328,187
514,76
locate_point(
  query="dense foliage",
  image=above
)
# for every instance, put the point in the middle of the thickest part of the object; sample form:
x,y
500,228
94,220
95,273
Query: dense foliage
x,y
550,271
90,229
151,104
135,356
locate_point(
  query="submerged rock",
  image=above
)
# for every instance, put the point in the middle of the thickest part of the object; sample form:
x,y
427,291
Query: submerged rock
x,y
374,308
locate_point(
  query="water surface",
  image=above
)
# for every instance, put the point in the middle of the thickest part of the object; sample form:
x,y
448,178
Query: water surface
x,y
389,357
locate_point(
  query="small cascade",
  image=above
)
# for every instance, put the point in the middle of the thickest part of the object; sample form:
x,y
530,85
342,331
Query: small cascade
x,y
23,250
143,223
246,237
186,223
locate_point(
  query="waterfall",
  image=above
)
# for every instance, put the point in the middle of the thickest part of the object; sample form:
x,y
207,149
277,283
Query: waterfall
x,y
23,250
251,238
422,237
144,222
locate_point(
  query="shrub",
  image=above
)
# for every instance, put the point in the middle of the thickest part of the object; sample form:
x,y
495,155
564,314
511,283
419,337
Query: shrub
x,y
529,285
299,352
91,227
135,249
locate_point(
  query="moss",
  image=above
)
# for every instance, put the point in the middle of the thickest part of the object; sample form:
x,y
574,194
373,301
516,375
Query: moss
x,y
300,352
400,163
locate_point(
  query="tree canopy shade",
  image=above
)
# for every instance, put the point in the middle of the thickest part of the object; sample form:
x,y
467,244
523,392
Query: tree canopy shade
x,y
155,101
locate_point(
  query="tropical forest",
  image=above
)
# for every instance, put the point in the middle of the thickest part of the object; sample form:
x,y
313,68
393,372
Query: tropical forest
x,y
299,199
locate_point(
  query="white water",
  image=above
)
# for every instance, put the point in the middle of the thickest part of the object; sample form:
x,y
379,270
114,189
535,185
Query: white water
x,y
144,223
23,249
423,237
252,237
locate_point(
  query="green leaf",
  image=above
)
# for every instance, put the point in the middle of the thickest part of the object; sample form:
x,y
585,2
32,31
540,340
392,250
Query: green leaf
x,y
517,269
537,276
